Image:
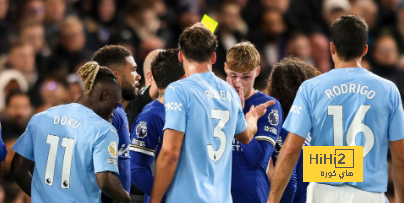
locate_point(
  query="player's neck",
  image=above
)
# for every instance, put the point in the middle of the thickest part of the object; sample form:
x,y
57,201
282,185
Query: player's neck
x,y
124,103
250,94
85,101
348,64
161,96
192,67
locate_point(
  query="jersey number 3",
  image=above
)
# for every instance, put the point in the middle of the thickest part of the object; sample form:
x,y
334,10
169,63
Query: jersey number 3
x,y
354,128
67,143
218,132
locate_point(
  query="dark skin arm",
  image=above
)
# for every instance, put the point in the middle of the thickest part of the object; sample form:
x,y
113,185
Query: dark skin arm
x,y
288,157
110,184
397,153
166,163
21,172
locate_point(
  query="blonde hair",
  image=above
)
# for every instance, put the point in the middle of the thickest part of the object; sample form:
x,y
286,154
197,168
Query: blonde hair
x,y
88,73
243,57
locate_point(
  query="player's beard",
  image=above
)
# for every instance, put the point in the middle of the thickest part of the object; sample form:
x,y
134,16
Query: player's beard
x,y
128,91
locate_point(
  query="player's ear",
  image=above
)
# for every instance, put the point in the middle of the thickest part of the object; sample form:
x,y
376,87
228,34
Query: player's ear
x,y
213,59
180,56
149,77
105,95
365,51
332,48
118,76
258,71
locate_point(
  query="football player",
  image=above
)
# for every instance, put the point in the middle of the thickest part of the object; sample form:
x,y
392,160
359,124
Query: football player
x,y
147,132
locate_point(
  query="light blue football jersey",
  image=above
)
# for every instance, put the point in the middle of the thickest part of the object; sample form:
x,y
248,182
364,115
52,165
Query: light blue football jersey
x,y
208,110
69,145
351,107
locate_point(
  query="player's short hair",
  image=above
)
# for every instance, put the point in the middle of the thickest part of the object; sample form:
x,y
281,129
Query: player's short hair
x,y
286,78
349,35
197,43
112,56
166,68
91,73
243,57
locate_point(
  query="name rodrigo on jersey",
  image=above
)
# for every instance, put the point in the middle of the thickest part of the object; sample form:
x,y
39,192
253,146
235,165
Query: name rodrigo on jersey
x,y
351,88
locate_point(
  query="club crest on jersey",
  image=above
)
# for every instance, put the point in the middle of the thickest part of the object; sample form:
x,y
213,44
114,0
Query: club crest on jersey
x,y
113,149
141,130
273,117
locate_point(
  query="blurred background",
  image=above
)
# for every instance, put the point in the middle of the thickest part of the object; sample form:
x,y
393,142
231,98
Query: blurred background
x,y
44,42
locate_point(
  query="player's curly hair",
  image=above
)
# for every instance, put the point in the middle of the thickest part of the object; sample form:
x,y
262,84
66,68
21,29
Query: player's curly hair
x,y
111,56
286,78
243,57
91,72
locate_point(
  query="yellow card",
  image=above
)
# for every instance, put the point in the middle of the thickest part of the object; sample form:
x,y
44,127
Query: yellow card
x,y
333,164
209,23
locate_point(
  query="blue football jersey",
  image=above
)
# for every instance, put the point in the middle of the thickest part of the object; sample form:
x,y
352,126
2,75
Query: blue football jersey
x,y
146,136
69,145
351,107
296,189
3,149
289,193
250,162
208,110
301,189
120,122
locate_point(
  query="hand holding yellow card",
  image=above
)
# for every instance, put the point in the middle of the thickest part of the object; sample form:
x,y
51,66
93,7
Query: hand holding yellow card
x,y
209,23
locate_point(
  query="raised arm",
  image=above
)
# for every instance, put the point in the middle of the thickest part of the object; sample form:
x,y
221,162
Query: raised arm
x,y
263,145
252,118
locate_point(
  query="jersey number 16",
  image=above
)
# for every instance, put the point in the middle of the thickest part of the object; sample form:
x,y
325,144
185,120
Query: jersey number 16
x,y
354,128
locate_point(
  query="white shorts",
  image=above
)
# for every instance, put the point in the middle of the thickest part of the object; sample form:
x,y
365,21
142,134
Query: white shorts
x,y
322,193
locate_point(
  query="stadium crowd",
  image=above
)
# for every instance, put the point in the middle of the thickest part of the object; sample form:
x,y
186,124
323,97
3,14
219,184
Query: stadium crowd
x,y
43,43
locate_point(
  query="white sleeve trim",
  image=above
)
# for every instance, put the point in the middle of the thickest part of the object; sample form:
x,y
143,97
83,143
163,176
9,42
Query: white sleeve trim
x,y
143,151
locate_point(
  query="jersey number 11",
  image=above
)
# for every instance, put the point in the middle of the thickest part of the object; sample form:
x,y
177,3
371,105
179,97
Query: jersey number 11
x,y
68,144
